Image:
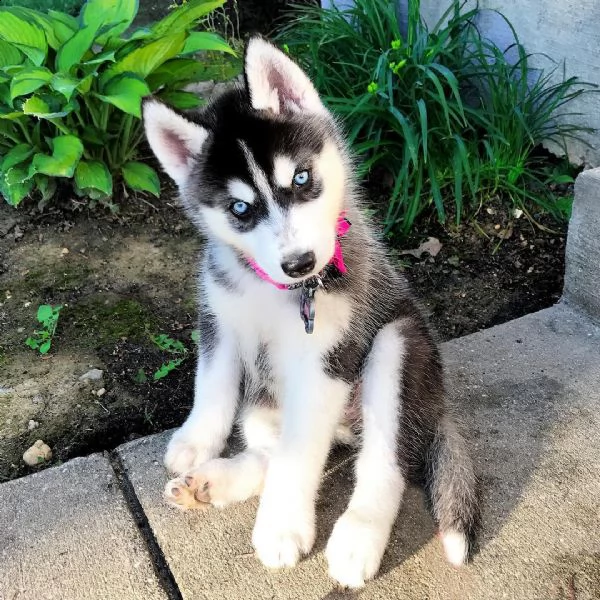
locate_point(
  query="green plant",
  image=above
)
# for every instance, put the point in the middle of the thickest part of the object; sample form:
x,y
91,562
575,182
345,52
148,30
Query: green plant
x,y
71,89
175,348
444,111
41,339
68,6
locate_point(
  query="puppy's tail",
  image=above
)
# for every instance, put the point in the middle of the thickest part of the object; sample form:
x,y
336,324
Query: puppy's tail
x,y
452,490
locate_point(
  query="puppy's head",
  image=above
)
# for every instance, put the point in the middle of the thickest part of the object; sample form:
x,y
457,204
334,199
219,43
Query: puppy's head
x,y
261,168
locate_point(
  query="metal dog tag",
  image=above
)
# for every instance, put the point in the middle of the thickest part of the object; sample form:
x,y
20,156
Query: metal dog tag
x,y
307,303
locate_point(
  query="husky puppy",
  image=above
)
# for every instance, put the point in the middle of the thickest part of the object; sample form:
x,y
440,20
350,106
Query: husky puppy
x,y
307,332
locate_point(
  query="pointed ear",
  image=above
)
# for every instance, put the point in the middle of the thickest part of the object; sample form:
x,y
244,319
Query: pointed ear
x,y
277,83
175,140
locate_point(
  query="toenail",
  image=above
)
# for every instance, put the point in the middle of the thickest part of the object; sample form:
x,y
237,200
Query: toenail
x,y
189,480
175,491
205,487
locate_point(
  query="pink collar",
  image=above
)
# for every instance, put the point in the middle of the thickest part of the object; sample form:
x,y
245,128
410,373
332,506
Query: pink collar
x,y
343,225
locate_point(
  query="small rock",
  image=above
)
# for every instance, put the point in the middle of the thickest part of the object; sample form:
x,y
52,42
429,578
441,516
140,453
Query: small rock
x,y
92,375
32,425
38,453
64,251
18,233
100,392
37,399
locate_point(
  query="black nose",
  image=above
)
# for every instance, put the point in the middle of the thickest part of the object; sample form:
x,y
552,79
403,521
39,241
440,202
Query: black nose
x,y
299,265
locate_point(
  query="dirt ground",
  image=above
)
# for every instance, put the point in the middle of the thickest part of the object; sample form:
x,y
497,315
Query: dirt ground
x,y
123,279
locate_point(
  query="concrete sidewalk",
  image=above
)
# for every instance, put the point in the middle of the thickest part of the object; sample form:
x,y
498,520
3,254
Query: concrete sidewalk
x,y
529,394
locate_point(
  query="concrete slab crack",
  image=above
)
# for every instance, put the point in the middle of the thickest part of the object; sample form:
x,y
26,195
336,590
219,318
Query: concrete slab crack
x,y
161,566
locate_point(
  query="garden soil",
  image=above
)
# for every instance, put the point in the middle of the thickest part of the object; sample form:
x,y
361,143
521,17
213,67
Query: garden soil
x,y
123,279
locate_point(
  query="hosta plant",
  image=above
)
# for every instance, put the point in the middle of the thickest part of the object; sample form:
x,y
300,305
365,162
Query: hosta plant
x,y
71,89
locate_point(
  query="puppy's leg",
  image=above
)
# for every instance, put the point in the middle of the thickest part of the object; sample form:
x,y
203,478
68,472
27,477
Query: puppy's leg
x,y
359,538
312,406
204,433
223,481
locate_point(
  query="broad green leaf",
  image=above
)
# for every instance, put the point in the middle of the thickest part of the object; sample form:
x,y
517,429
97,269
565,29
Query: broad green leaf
x,y
14,185
45,22
101,57
64,26
64,84
185,16
66,152
29,80
44,313
65,19
119,14
28,37
93,174
40,108
15,156
181,100
205,41
141,177
9,55
73,50
174,71
142,61
45,347
85,84
126,92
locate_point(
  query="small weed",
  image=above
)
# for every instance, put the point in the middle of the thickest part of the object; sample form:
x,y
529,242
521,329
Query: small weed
x,y
175,348
42,339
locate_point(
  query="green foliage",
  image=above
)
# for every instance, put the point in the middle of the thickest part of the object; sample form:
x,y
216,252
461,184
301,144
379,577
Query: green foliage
x,y
66,6
41,339
71,90
175,348
443,111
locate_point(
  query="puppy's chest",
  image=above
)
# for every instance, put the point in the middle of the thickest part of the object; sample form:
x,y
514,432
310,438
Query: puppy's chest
x,y
268,327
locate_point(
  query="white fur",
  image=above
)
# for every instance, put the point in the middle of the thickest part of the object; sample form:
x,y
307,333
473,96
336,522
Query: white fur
x,y
284,169
175,141
241,191
261,180
276,83
359,538
204,433
456,547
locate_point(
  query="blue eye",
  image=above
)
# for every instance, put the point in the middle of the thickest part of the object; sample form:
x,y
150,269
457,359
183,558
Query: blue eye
x,y
301,178
240,208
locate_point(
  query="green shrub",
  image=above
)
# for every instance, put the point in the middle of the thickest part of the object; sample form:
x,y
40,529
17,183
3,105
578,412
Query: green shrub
x,y
443,110
71,88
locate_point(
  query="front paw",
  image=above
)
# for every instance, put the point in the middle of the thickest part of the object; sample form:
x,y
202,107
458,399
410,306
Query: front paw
x,y
186,452
355,548
280,539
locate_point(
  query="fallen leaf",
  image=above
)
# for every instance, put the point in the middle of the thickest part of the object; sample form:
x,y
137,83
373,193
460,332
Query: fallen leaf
x,y
432,247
